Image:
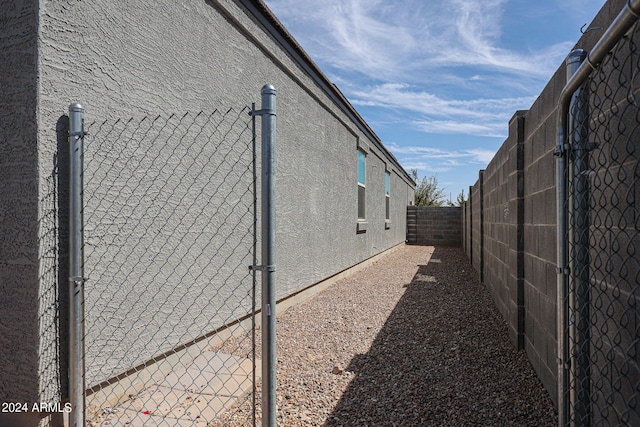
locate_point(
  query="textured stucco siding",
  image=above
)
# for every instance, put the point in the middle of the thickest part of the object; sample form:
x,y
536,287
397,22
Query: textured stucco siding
x,y
167,237
23,325
134,59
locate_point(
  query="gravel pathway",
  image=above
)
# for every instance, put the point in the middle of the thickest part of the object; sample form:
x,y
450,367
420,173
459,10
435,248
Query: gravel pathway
x,y
412,340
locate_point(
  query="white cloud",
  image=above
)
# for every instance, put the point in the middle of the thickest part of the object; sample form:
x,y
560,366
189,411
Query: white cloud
x,y
427,168
432,114
580,9
422,155
370,37
405,39
481,155
432,160
408,48
366,41
477,42
401,95
496,129
442,67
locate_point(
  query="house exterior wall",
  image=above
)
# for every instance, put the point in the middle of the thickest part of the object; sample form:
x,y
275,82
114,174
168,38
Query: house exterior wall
x,y
132,59
19,257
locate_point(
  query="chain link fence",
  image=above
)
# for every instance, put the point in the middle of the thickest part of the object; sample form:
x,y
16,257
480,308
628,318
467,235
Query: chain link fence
x,y
169,235
603,238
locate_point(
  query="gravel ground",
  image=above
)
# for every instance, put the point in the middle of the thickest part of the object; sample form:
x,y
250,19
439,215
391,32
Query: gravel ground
x,y
412,340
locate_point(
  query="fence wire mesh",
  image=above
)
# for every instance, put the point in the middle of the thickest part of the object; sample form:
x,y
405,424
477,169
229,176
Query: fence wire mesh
x,y
169,234
603,202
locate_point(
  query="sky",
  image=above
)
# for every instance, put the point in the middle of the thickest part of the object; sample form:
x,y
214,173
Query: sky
x,y
438,80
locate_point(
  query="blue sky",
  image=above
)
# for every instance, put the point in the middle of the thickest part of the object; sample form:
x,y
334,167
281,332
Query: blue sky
x,y
438,80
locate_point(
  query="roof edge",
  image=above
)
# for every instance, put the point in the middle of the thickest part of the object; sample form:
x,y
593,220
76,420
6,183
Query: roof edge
x,y
273,25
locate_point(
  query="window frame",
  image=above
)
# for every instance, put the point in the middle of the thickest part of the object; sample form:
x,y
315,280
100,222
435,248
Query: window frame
x,y
387,194
362,186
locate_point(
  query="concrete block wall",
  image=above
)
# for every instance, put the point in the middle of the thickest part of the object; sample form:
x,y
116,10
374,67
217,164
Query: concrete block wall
x,y
539,238
464,210
514,217
512,238
502,209
476,234
496,227
510,221
432,225
468,229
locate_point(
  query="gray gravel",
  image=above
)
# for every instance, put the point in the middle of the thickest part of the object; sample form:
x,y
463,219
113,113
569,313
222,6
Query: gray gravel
x,y
412,340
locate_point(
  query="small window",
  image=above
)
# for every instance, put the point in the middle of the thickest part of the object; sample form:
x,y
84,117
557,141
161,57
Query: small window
x,y
387,186
362,167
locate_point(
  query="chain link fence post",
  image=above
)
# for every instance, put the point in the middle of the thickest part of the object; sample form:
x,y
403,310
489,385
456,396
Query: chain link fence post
x,y
268,113
76,267
566,125
578,205
593,274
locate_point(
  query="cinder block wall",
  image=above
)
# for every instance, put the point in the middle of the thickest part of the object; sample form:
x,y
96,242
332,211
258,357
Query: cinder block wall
x,y
497,228
502,213
466,237
475,203
510,221
431,225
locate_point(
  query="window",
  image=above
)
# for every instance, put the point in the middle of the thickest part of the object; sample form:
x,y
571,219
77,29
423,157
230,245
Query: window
x,y
362,167
387,186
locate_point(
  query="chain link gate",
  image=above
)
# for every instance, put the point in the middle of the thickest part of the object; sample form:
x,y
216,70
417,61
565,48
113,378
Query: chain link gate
x,y
599,238
162,248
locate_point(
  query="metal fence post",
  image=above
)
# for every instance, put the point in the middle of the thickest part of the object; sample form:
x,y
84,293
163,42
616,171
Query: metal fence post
x,y
577,72
562,276
268,256
579,255
76,266
573,62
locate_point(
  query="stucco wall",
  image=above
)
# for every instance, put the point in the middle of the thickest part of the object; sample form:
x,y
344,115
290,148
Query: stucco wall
x,y
127,68
135,59
26,325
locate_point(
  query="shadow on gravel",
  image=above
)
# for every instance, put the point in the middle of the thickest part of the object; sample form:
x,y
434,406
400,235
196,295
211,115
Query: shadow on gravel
x,y
443,358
